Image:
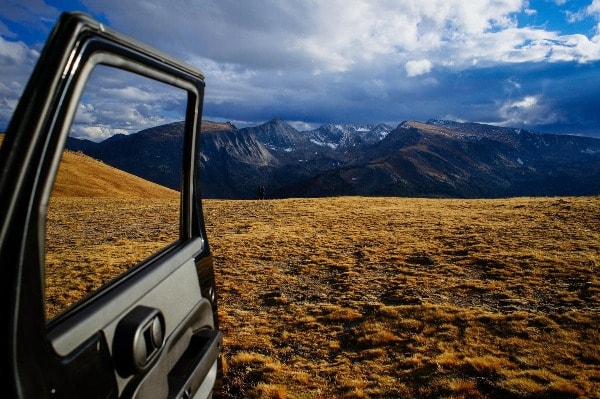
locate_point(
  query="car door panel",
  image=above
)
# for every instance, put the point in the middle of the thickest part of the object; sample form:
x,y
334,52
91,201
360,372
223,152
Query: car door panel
x,y
153,331
153,286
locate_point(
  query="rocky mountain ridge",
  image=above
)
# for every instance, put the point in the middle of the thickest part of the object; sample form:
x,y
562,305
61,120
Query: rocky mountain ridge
x,y
426,159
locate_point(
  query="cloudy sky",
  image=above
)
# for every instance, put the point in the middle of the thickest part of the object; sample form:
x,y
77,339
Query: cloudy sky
x,y
532,64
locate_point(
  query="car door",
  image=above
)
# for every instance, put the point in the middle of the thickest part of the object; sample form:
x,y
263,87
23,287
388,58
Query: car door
x,y
151,330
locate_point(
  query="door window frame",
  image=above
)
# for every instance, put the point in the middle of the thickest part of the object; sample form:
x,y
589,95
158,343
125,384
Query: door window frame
x,y
98,51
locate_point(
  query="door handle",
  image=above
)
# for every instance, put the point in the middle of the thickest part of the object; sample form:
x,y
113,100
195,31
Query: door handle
x,y
139,336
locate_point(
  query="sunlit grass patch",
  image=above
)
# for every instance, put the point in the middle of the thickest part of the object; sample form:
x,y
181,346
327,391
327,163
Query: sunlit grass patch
x,y
249,358
340,314
448,360
466,388
374,334
539,383
488,365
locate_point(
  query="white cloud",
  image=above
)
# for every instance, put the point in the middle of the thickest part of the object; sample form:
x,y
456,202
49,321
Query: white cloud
x,y
417,67
96,133
339,36
16,63
303,126
85,114
15,54
513,84
128,93
115,101
529,110
594,8
526,103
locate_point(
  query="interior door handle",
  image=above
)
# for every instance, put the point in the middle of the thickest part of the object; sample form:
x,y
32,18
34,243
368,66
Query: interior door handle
x,y
139,336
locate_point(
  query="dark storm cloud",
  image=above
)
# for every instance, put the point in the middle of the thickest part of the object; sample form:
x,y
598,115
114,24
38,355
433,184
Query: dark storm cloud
x,y
357,61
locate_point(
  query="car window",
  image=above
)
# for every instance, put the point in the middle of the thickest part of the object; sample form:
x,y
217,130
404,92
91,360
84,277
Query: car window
x,y
105,215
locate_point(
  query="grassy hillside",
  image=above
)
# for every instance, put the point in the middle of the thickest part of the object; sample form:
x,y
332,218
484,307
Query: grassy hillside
x,y
82,176
418,298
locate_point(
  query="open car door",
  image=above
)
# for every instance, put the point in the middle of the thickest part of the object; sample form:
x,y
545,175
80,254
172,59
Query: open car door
x,y
149,330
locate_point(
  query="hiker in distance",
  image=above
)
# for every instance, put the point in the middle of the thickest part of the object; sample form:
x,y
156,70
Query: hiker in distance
x,y
261,192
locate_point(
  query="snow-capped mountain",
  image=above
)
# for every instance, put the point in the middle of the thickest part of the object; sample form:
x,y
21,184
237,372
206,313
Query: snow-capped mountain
x,y
346,136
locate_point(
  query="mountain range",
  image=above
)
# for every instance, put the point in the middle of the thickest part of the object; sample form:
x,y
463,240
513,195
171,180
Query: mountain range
x,y
436,158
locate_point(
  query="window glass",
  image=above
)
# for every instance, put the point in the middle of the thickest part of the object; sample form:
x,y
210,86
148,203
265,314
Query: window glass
x,y
115,201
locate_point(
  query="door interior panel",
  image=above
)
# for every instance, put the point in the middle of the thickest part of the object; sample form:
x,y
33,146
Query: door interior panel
x,y
189,329
171,276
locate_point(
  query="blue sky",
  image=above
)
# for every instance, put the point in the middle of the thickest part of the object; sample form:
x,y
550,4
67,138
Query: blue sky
x,y
531,64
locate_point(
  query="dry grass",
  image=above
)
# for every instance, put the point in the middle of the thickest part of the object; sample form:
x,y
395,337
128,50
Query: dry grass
x,y
87,246
388,297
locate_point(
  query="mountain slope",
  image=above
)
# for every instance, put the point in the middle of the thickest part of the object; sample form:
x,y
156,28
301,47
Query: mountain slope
x,y
233,163
82,176
348,136
418,159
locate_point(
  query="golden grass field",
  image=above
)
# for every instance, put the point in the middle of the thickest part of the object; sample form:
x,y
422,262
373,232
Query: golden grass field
x,y
363,297
418,298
